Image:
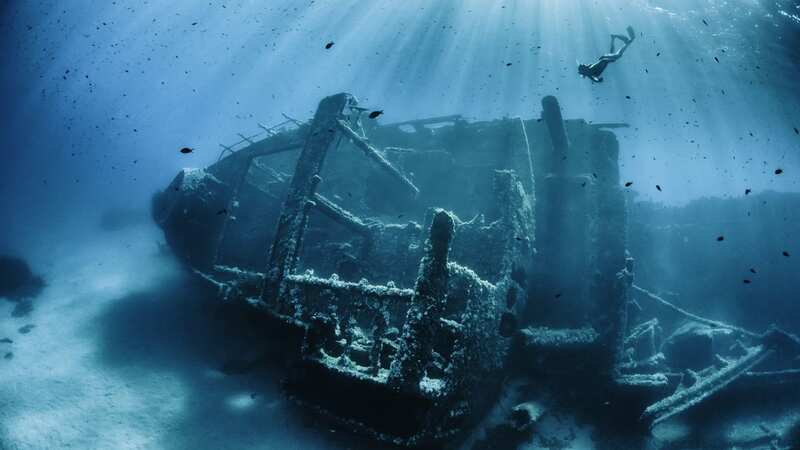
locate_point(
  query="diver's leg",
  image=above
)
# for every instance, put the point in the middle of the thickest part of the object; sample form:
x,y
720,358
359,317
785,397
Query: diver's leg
x,y
631,33
611,57
622,38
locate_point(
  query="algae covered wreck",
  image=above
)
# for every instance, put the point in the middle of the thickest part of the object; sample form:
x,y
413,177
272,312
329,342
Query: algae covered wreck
x,y
418,270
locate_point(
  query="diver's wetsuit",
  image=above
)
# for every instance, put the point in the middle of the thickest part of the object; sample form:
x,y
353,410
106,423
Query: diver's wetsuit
x,y
594,71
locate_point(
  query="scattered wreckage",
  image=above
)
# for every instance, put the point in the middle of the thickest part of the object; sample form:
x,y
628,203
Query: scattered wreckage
x,y
429,264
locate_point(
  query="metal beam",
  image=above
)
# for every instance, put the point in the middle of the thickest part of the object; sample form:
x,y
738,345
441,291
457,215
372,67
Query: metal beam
x,y
341,215
376,156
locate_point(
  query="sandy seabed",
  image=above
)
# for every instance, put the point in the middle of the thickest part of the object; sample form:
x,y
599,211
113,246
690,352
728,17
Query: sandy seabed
x,y
123,350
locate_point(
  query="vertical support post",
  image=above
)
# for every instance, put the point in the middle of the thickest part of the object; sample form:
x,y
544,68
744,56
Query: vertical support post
x,y
323,136
428,305
610,265
551,114
561,216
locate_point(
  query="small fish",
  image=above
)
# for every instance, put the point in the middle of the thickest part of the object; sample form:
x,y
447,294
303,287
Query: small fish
x,y
558,295
658,54
27,328
785,253
375,114
778,171
796,131
6,341
658,187
720,238
628,184
716,59
747,191
746,281
508,64
194,23
186,150
8,355
705,23
329,45
628,97
222,211
752,270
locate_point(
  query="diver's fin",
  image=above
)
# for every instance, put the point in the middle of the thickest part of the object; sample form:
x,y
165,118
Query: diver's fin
x,y
631,33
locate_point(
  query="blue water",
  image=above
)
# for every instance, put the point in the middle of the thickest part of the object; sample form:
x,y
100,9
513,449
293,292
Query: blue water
x,y
97,98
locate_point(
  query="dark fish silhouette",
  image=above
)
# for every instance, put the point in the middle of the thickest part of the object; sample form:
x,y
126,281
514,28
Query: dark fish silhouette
x,y
27,328
628,184
222,211
747,191
785,253
746,281
705,23
778,171
720,238
658,187
752,270
6,341
187,150
375,114
329,45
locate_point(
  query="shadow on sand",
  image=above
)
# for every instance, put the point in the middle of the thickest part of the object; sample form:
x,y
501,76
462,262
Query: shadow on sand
x,y
230,375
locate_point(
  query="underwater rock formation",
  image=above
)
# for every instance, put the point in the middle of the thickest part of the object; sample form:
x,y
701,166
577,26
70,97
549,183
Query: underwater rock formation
x,y
17,282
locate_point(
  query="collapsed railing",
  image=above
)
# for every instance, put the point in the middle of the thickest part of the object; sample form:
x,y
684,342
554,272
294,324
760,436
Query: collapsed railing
x,y
697,388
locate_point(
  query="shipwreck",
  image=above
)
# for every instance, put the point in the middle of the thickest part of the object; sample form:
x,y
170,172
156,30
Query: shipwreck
x,y
415,270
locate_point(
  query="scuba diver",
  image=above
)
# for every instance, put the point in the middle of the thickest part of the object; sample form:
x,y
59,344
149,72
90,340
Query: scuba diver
x,y
594,71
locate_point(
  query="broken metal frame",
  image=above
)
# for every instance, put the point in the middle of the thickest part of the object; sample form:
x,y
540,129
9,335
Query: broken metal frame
x,y
326,131
771,342
324,205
